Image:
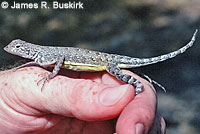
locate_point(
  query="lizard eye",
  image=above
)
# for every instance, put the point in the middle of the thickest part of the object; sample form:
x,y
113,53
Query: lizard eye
x,y
17,46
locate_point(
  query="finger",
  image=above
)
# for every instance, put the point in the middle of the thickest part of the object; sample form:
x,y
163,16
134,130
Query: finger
x,y
158,126
84,99
138,116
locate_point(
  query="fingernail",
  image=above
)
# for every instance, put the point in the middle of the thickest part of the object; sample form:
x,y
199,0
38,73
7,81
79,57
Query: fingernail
x,y
139,128
163,126
111,96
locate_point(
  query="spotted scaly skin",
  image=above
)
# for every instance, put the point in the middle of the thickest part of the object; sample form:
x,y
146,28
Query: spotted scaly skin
x,y
79,59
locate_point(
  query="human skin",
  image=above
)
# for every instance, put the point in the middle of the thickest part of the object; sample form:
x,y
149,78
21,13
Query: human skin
x,y
73,103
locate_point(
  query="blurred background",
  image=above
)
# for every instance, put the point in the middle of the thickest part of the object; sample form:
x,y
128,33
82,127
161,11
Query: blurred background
x,y
128,27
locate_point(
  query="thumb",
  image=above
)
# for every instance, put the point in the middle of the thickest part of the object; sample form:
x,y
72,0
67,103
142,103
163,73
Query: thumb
x,y
139,114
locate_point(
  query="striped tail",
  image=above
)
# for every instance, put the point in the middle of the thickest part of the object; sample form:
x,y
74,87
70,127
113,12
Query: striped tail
x,y
136,62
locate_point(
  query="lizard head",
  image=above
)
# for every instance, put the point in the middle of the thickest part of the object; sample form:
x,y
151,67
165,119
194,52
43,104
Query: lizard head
x,y
18,47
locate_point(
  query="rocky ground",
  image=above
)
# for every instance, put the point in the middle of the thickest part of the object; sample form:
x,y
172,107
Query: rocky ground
x,y
129,27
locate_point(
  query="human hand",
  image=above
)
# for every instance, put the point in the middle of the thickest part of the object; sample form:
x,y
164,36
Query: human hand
x,y
81,103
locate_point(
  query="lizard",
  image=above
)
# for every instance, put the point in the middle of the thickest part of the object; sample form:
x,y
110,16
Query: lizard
x,y
80,59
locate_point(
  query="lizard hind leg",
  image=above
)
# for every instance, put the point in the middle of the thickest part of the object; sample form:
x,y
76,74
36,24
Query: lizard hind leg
x,y
116,71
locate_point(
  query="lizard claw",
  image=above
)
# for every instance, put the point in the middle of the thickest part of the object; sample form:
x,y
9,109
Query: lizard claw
x,y
43,75
44,79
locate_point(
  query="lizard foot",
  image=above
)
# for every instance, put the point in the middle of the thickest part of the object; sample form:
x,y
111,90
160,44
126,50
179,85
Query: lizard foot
x,y
139,87
43,75
43,80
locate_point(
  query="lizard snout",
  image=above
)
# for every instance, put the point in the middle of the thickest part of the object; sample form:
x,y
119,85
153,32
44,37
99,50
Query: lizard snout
x,y
6,48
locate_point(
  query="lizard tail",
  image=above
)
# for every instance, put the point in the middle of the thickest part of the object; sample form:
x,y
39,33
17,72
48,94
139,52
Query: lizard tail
x,y
136,62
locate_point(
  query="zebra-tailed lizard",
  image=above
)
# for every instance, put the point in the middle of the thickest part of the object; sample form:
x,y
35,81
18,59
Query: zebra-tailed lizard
x,y
79,59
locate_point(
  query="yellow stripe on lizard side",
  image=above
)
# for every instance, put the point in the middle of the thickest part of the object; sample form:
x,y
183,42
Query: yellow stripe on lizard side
x,y
82,66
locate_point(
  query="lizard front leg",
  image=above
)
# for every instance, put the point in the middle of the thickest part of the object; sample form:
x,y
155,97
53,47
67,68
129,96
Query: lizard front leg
x,y
113,69
55,71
